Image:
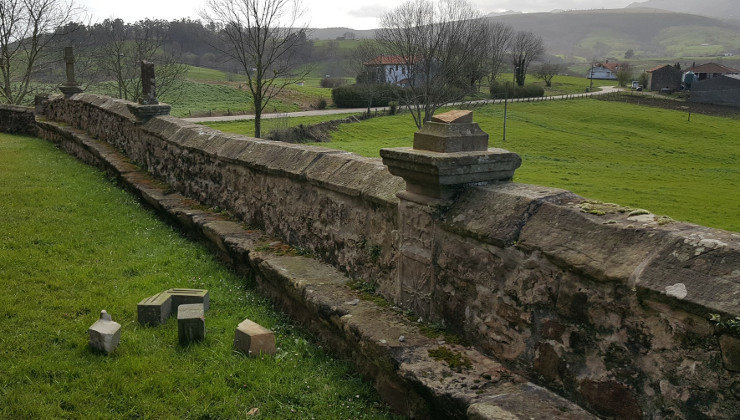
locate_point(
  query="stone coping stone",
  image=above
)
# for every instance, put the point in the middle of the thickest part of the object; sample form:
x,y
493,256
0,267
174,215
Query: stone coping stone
x,y
253,339
155,310
404,373
191,323
188,296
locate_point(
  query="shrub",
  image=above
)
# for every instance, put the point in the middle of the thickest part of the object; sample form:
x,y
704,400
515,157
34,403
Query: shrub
x,y
321,104
332,82
508,89
392,107
357,96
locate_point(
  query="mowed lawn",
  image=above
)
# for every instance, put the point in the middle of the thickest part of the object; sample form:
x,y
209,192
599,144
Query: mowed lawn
x,y
73,243
631,155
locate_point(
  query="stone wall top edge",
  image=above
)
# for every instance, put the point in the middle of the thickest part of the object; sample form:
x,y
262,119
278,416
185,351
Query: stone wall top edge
x,y
688,265
332,169
16,108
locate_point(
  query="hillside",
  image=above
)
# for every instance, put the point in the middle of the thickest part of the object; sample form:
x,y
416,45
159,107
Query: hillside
x,y
587,34
722,9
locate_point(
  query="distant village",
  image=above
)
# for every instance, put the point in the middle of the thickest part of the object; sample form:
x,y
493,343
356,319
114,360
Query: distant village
x,y
709,83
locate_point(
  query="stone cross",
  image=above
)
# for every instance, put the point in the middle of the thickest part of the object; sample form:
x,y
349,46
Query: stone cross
x,y
148,86
69,59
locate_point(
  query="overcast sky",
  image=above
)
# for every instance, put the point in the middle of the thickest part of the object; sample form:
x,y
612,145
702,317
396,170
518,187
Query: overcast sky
x,y
322,13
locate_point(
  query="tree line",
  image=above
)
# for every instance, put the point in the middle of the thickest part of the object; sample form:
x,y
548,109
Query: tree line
x,y
447,46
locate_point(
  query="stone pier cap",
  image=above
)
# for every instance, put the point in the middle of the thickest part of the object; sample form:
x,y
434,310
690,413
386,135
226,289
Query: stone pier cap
x,y
450,152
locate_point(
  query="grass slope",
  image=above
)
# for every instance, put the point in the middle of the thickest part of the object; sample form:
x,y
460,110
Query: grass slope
x,y
632,155
246,127
71,243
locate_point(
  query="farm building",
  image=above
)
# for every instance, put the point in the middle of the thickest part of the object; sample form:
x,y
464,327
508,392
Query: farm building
x,y
720,90
710,70
664,77
606,70
389,69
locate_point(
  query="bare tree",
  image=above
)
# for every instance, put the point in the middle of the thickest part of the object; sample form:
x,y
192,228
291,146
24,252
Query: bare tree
x,y
547,71
624,74
526,47
437,41
27,28
124,46
498,38
260,35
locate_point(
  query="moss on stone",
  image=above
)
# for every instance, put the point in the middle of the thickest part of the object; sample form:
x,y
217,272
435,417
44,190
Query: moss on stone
x,y
454,359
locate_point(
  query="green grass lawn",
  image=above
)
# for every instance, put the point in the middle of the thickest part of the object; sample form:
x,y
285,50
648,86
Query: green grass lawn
x,y
246,127
71,244
632,155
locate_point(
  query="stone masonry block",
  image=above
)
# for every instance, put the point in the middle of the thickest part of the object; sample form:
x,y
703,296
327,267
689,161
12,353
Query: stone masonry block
x,y
155,310
104,334
185,296
191,323
252,339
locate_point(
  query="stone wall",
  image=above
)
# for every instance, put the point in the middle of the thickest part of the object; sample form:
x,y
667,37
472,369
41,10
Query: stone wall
x,y
605,306
335,205
17,120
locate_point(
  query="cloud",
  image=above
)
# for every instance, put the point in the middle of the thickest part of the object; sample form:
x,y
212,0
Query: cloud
x,y
368,12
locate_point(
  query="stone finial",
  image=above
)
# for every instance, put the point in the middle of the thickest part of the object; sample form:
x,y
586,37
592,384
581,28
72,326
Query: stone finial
x,y
148,84
69,60
457,116
70,87
449,152
450,132
148,106
105,334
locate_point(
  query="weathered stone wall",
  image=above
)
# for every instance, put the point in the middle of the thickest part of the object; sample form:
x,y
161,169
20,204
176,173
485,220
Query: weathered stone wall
x,y
333,204
606,308
17,120
609,309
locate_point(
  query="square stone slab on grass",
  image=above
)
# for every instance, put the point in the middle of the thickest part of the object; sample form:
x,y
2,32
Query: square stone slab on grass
x,y
155,310
185,296
105,334
191,323
252,339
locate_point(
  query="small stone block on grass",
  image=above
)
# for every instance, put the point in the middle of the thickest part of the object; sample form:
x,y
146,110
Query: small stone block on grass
x,y
155,310
252,339
104,334
191,323
185,296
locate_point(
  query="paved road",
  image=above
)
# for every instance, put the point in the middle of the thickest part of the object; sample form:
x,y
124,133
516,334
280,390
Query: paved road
x,y
604,90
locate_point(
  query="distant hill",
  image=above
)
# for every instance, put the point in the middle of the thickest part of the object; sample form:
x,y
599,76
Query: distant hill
x,y
723,9
583,35
587,34
335,33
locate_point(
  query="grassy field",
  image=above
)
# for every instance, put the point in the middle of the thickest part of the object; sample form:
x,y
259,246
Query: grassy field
x,y
632,155
72,243
246,127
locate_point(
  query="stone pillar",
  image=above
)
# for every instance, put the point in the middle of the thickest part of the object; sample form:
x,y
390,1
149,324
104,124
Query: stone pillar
x,y
148,105
450,152
70,87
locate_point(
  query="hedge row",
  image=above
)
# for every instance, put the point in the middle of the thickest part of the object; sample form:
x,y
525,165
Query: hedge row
x,y
508,89
358,96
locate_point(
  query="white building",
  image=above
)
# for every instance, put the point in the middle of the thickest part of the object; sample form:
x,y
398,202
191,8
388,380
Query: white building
x,y
605,70
390,69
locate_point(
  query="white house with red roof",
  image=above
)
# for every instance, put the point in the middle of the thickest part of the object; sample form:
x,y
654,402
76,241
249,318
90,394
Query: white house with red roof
x,y
605,70
392,69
